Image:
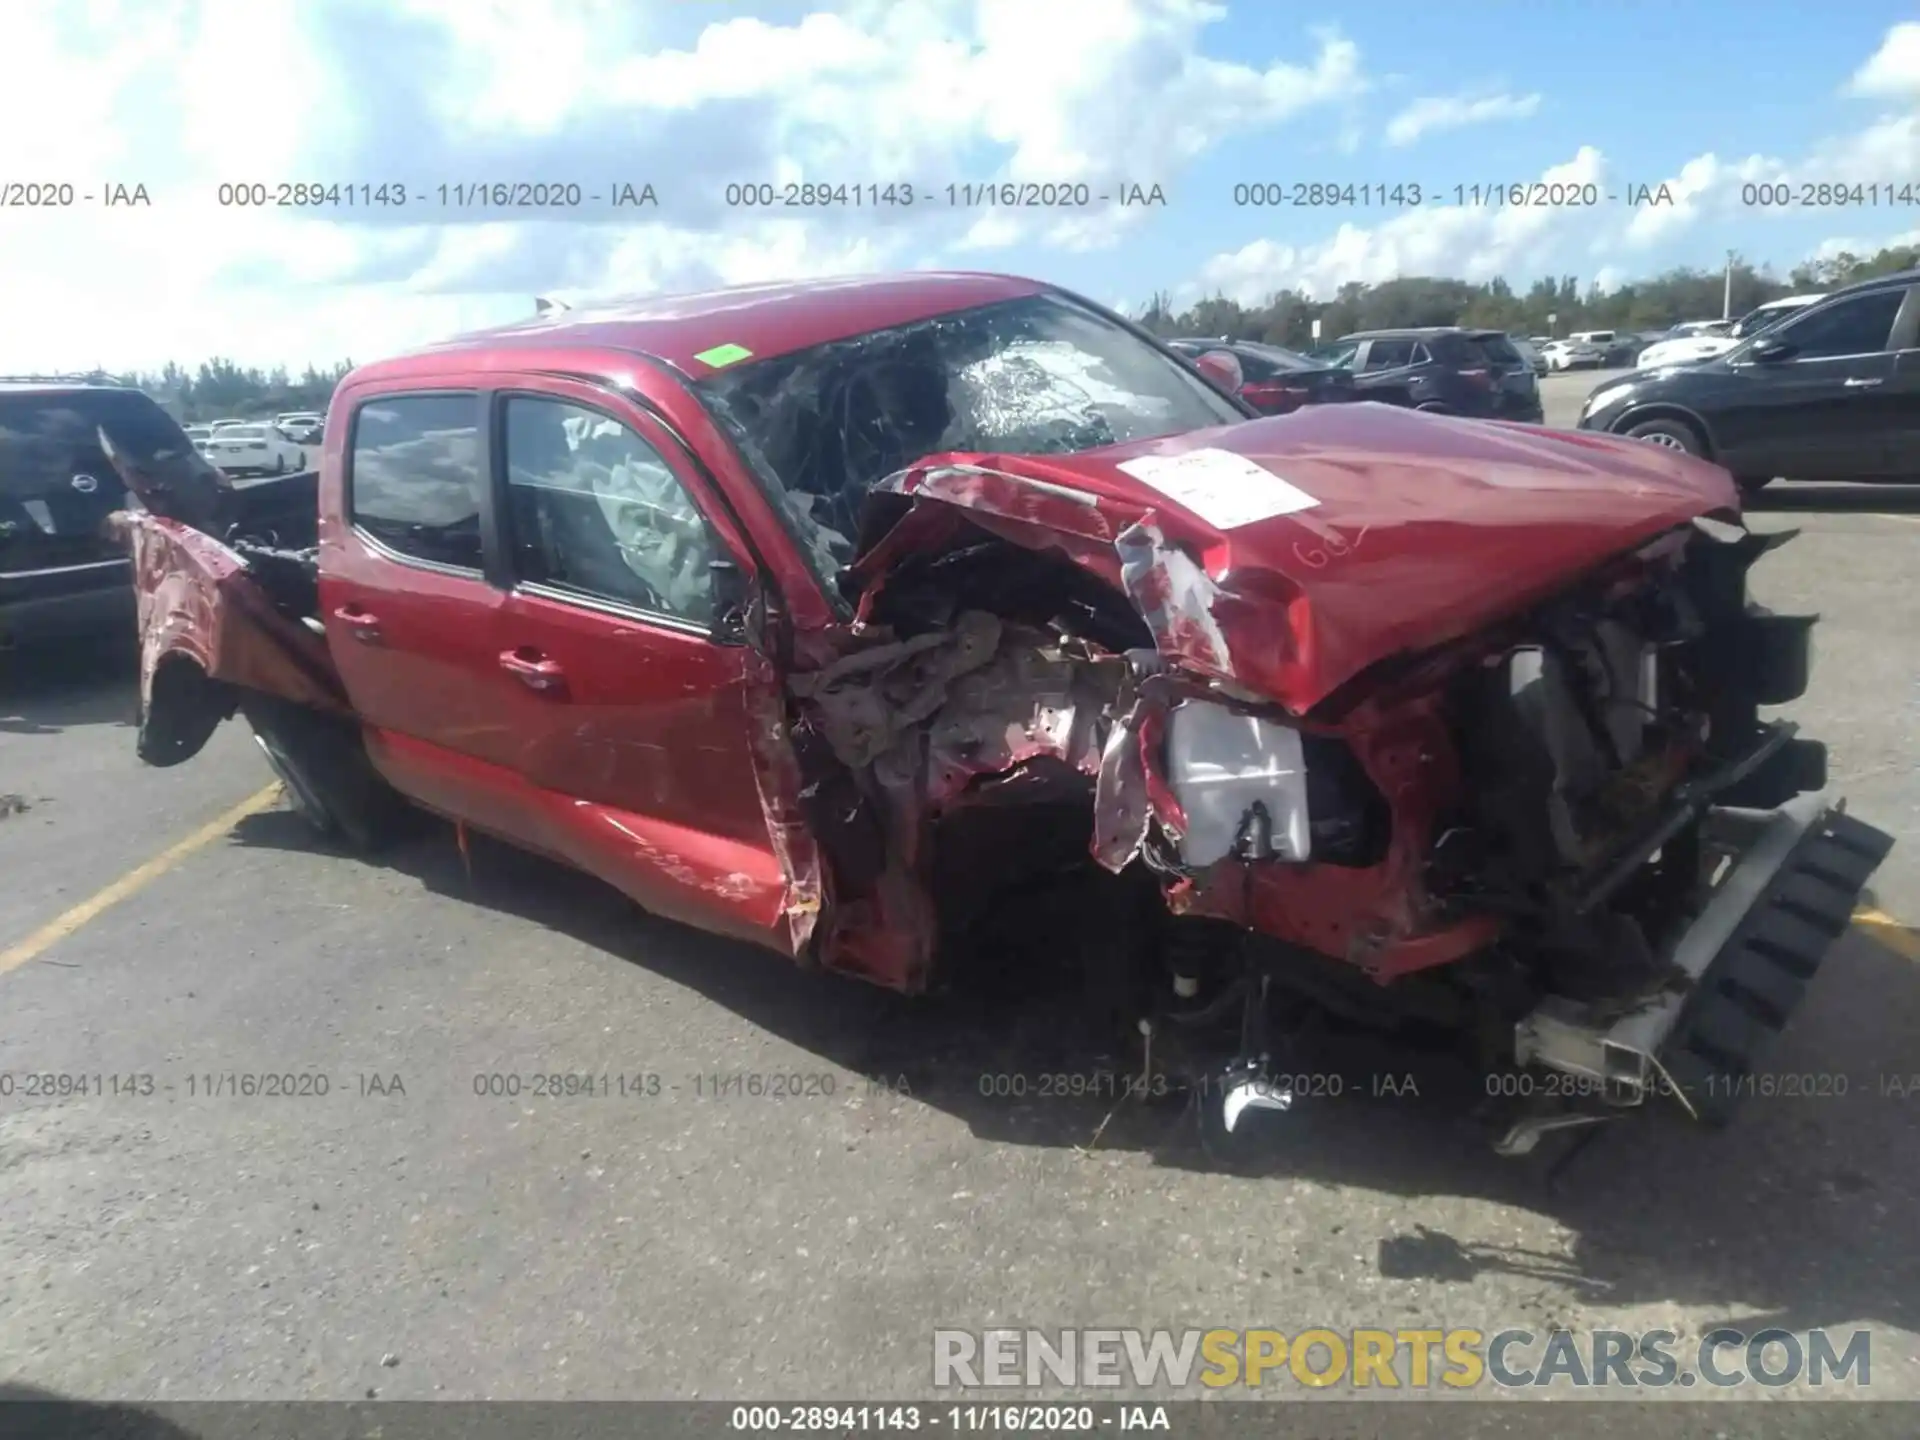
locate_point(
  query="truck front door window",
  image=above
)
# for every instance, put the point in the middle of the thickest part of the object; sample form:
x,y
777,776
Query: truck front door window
x,y
595,509
415,482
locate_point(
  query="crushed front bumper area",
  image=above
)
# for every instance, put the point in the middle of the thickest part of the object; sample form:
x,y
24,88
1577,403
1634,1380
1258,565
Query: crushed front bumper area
x,y
1739,971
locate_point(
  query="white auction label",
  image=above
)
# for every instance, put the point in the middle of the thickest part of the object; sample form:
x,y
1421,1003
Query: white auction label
x,y
1224,489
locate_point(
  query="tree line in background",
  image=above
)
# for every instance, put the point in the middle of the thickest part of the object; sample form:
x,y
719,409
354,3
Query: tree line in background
x,y
220,389
1654,304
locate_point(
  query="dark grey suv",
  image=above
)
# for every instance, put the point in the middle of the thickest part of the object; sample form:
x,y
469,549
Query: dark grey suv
x,y
62,575
1448,369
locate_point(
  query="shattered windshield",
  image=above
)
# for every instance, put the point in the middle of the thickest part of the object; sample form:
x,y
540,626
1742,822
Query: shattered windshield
x,y
1035,376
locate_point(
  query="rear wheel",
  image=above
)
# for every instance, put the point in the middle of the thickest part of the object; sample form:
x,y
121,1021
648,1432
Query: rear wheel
x,y
1669,435
329,779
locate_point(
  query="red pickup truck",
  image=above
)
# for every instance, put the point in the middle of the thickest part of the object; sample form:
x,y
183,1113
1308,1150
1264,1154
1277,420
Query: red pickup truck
x,y
849,617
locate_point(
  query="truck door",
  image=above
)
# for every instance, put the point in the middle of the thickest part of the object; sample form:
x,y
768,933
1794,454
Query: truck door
x,y
630,707
411,617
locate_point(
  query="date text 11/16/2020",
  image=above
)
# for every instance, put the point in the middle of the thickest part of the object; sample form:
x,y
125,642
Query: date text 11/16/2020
x,y
1413,195
43,1085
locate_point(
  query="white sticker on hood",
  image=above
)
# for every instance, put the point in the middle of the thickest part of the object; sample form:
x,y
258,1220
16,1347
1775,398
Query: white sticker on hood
x,y
1224,489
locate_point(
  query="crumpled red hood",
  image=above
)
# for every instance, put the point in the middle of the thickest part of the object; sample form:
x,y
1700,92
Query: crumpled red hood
x,y
1412,529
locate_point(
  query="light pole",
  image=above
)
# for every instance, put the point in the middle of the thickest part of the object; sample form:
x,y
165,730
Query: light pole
x,y
1726,290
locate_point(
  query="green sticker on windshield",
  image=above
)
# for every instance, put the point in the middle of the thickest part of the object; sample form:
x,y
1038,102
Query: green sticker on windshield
x,y
723,355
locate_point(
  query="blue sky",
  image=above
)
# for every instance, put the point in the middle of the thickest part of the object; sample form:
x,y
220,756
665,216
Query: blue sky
x,y
693,95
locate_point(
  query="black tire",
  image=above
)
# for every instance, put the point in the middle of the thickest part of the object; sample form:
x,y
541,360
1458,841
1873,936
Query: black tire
x,y
329,779
300,461
1669,435
1751,485
279,464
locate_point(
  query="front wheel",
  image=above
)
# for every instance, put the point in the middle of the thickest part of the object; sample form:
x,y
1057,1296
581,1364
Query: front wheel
x,y
279,464
1669,435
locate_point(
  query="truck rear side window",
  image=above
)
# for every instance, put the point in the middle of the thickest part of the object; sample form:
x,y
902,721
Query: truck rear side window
x,y
415,482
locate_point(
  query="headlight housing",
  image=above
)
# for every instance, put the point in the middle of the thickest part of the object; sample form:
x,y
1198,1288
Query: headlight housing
x,y
1605,397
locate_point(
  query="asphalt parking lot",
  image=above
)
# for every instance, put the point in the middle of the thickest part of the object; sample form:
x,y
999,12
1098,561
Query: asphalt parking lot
x,y
407,1235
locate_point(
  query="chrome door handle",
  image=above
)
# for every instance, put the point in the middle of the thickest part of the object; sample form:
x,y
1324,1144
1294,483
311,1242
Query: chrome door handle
x,y
534,670
1862,384
363,627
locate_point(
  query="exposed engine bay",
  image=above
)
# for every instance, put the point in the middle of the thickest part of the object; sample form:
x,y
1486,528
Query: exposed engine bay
x,y
1510,835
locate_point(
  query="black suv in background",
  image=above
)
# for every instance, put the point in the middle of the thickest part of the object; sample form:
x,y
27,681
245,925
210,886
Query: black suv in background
x,y
62,575
1830,393
1449,370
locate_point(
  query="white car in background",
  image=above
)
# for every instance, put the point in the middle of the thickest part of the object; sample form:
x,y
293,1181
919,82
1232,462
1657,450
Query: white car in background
x,y
1697,329
1691,350
253,448
1573,354
303,427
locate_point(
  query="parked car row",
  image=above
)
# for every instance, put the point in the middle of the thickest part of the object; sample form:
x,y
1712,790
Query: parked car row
x,y
1481,374
1704,343
1592,350
259,447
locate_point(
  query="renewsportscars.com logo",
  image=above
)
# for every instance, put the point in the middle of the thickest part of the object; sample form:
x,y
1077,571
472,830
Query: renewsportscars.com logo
x,y
1364,1359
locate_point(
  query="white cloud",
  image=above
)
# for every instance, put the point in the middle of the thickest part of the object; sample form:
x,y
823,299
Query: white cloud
x,y
1837,245
184,95
1893,72
1435,113
1480,243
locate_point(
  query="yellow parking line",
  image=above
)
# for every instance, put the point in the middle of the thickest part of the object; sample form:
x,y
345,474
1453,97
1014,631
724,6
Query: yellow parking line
x,y
57,929
1900,938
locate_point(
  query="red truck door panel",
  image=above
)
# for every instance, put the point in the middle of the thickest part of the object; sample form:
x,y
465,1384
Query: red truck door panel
x,y
630,724
410,614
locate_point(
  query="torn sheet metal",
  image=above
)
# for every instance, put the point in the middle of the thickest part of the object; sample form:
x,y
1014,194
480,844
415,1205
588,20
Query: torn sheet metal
x,y
1378,917
198,601
930,724
1177,599
777,778
1417,535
